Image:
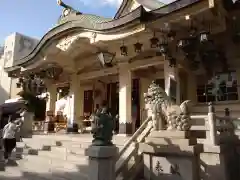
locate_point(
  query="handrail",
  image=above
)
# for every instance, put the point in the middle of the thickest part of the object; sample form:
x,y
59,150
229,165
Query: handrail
x,y
135,135
143,130
199,116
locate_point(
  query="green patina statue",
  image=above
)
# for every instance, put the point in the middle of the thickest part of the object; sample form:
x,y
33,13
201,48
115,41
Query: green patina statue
x,y
103,129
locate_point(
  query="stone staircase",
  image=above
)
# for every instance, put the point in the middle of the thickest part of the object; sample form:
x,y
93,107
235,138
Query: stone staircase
x,y
62,157
59,157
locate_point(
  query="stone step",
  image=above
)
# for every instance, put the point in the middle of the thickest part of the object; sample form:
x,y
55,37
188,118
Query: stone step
x,y
56,162
46,145
29,169
70,150
168,141
62,156
82,138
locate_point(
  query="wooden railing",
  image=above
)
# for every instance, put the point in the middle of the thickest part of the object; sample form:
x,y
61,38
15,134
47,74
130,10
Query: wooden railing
x,y
130,149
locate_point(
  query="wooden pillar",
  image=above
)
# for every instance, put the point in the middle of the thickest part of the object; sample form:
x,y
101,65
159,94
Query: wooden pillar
x,y
73,104
52,98
171,75
125,100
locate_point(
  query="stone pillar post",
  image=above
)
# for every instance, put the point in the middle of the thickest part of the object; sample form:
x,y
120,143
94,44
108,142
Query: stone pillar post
x,y
72,126
212,124
125,100
78,106
172,73
102,160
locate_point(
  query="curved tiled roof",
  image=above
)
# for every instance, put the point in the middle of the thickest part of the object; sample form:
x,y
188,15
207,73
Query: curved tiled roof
x,y
149,4
88,22
90,18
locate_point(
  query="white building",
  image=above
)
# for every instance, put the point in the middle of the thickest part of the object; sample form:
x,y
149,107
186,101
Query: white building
x,y
16,46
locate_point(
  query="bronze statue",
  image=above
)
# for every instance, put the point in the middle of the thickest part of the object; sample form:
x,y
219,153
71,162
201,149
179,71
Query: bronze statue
x,y
103,129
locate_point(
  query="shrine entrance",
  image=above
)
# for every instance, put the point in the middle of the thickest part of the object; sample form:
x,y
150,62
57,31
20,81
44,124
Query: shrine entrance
x,y
113,102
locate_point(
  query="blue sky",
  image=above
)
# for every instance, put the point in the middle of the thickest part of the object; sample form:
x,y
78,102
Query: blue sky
x,y
35,17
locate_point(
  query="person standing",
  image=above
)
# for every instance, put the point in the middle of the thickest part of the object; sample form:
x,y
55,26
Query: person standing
x,y
9,139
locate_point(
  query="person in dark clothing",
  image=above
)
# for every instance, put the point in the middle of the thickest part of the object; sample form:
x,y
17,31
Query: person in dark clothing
x,y
104,107
116,124
9,139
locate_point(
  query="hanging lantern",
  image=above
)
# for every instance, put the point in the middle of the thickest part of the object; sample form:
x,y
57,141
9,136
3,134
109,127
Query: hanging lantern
x,y
154,42
124,50
204,37
53,72
182,43
171,35
188,45
163,48
106,58
172,61
138,47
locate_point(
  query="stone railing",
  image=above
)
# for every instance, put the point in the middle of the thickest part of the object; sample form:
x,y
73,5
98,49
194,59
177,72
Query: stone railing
x,y
219,127
130,149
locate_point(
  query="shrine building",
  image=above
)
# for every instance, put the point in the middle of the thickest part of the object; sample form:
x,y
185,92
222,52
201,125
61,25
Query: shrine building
x,y
189,47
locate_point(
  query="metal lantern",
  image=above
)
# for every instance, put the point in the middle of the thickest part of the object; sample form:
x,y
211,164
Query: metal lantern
x,y
171,35
183,43
154,42
163,48
53,72
105,58
138,47
204,37
124,50
188,45
18,85
172,61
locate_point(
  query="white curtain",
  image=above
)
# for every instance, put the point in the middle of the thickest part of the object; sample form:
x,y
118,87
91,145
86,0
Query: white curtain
x,y
61,105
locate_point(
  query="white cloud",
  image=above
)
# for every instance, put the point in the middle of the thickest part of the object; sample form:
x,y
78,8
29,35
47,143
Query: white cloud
x,y
111,3
101,3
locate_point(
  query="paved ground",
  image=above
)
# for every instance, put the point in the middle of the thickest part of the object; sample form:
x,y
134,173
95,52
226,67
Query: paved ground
x,y
61,163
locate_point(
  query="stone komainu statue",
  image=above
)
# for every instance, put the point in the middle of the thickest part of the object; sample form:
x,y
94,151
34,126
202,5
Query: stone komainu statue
x,y
103,129
175,117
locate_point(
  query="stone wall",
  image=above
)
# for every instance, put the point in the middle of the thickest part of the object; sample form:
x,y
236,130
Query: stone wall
x,y
176,157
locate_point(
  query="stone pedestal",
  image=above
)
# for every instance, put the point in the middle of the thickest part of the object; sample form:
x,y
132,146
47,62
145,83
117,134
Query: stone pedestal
x,y
73,128
102,160
26,129
220,162
171,155
49,127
